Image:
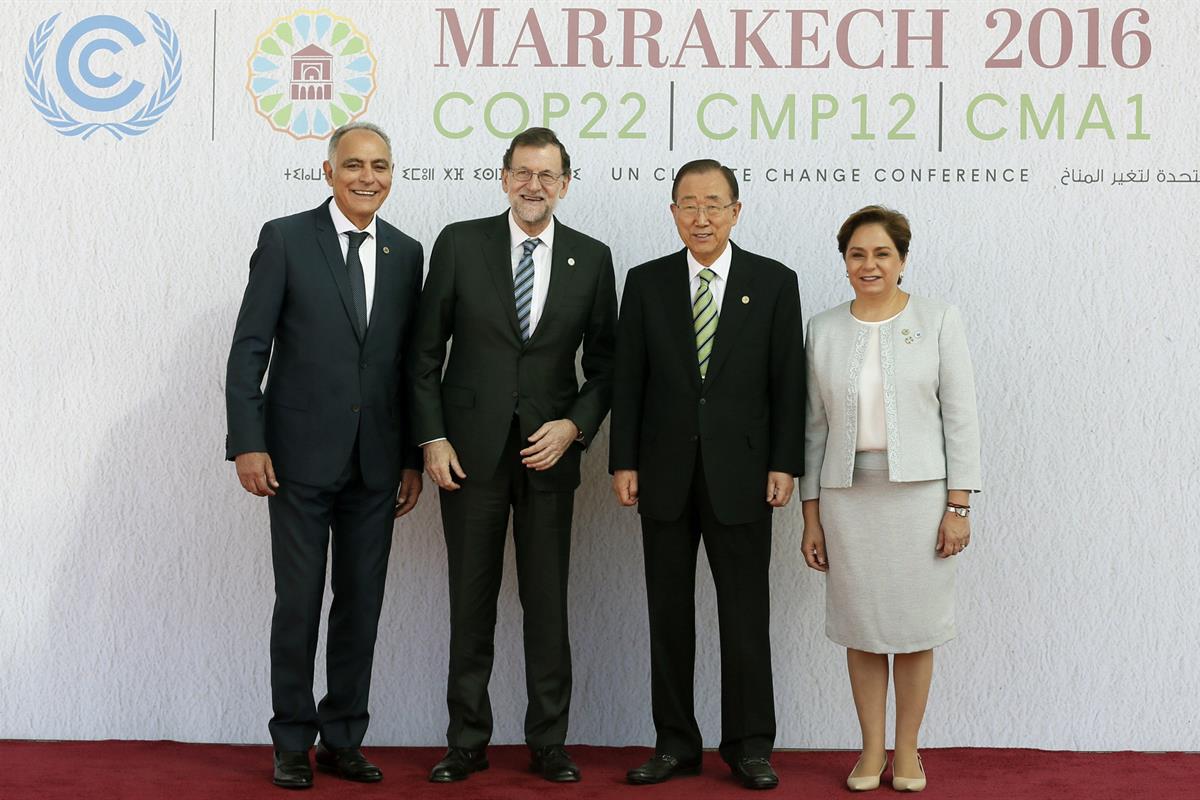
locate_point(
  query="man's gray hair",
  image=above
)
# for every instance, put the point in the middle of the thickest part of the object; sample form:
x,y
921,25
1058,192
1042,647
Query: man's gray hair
x,y
357,126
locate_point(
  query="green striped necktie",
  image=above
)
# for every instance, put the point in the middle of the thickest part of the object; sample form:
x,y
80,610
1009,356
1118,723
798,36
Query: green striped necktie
x,y
704,319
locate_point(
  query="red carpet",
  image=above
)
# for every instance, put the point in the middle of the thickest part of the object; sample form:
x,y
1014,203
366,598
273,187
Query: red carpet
x,y
154,770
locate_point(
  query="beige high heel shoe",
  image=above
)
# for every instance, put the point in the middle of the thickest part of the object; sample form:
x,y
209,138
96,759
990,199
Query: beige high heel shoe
x,y
867,782
902,784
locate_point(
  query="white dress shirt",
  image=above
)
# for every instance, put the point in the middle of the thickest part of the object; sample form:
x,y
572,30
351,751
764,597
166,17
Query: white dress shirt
x,y
717,286
541,264
366,252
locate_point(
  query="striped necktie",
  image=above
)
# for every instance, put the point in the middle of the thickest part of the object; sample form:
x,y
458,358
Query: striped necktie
x,y
704,319
523,286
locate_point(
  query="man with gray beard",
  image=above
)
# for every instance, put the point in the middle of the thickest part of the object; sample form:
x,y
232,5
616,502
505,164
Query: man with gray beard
x,y
505,427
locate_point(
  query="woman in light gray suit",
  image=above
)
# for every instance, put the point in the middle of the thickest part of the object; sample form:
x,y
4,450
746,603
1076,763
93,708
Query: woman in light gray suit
x,y
891,457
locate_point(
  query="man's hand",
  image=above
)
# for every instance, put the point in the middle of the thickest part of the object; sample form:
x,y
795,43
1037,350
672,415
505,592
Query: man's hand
x,y
549,443
625,486
256,474
440,459
779,488
410,490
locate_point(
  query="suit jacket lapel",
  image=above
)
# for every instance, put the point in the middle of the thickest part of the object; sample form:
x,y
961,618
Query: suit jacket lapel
x,y
560,274
498,257
737,304
327,237
385,275
677,312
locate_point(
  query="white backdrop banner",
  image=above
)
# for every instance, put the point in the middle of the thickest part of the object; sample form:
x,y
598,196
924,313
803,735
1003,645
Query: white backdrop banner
x,y
1046,154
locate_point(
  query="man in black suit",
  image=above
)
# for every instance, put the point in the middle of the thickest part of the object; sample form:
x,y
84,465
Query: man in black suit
x,y
330,303
707,434
505,428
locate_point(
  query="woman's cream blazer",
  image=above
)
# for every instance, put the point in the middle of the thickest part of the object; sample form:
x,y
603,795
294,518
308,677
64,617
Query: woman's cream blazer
x,y
928,398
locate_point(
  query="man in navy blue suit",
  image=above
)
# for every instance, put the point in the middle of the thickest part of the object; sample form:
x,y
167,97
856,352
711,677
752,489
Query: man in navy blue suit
x,y
329,304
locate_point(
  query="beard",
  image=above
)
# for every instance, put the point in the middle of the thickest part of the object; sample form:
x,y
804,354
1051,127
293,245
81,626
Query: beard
x,y
533,213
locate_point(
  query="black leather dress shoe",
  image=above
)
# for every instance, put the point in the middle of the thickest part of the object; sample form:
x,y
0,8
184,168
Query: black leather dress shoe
x,y
292,770
553,764
458,764
348,763
662,767
755,773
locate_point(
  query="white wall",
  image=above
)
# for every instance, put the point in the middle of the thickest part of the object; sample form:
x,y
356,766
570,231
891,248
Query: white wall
x,y
136,572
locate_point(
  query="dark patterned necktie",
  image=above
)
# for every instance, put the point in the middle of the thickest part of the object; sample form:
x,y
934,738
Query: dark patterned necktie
x,y
358,285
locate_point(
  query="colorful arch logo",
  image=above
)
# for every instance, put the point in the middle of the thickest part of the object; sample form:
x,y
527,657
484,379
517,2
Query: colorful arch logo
x,y
310,73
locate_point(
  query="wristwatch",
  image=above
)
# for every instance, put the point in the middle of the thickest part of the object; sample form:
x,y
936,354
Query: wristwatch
x,y
962,512
579,439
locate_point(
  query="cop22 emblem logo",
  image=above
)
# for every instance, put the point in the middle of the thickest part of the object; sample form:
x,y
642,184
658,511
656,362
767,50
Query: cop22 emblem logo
x,y
99,107
310,73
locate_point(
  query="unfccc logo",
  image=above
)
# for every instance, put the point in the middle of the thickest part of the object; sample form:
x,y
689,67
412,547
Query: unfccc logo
x,y
85,69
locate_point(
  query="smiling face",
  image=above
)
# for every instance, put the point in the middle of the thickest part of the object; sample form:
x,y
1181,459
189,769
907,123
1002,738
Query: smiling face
x,y
360,174
704,214
532,202
873,262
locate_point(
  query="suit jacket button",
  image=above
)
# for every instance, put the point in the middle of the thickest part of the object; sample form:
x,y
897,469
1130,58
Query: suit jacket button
x,y
701,401
354,408
516,395
362,365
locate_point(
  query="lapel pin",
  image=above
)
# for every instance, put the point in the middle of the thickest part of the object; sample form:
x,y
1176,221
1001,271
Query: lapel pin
x,y
386,250
745,299
570,262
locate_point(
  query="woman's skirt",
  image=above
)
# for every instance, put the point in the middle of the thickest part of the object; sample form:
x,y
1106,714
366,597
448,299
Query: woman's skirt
x,y
886,590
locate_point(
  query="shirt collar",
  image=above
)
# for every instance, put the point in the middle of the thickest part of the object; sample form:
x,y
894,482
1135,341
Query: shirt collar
x,y
342,223
517,237
720,266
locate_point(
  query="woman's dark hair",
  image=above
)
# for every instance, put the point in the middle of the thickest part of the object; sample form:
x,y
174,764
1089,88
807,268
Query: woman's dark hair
x,y
893,222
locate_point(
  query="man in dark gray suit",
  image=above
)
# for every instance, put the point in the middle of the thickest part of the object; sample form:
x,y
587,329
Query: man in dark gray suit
x,y
707,436
330,303
505,428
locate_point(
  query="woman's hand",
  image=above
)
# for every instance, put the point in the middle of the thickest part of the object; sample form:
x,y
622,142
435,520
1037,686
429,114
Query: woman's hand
x,y
813,545
954,534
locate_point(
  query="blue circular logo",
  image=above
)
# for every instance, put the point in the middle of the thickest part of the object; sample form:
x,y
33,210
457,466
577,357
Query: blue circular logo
x,y
76,75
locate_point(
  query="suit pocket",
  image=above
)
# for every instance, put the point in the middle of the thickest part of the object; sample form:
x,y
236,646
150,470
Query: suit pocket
x,y
757,440
573,316
289,403
457,396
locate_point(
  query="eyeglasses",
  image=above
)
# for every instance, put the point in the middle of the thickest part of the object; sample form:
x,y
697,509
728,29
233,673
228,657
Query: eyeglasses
x,y
547,179
710,212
